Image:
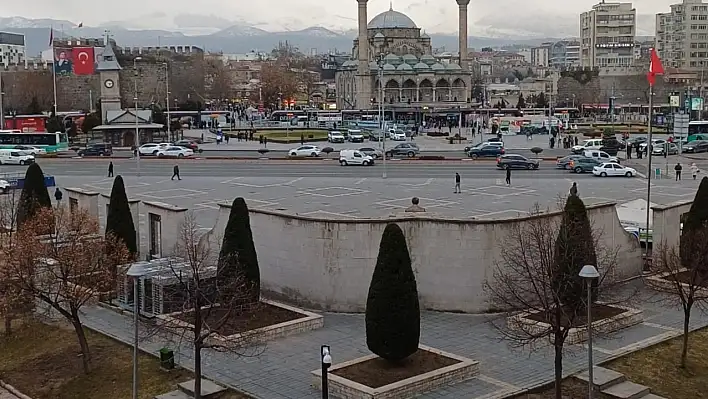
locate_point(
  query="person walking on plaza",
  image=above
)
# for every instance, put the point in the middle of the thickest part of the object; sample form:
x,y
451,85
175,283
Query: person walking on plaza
x,y
58,195
508,176
574,189
694,170
457,184
110,169
175,173
629,151
678,168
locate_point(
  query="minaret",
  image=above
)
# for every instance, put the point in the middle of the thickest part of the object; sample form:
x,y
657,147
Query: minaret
x,y
463,34
363,73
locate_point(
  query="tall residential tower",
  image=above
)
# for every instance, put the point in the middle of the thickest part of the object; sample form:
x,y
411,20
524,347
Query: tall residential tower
x,y
607,35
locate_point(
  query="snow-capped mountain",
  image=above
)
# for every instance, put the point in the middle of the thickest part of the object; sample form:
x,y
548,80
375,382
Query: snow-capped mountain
x,y
240,31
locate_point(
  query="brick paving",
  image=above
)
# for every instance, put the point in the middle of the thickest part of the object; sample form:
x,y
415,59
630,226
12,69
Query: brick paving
x,y
283,370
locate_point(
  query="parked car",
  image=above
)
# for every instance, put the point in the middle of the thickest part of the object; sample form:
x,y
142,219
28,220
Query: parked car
x,y
611,146
191,144
654,143
149,149
635,141
600,156
696,146
355,136
376,135
372,152
175,151
397,135
15,157
613,169
404,149
514,161
583,164
30,149
563,163
661,149
592,144
98,149
335,137
4,186
354,157
484,143
305,151
482,150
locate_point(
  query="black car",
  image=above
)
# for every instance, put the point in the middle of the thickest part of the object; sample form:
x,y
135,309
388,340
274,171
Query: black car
x,y
513,161
696,146
583,164
488,150
635,142
563,163
191,144
611,146
93,150
406,149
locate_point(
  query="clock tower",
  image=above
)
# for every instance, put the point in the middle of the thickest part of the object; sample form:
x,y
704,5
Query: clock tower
x,y
108,69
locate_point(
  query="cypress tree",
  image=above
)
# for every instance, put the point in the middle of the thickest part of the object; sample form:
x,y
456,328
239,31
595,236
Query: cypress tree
x,y
119,220
238,260
575,248
392,308
34,194
695,229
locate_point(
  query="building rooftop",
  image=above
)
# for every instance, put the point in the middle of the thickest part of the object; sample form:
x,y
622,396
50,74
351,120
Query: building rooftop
x,y
392,19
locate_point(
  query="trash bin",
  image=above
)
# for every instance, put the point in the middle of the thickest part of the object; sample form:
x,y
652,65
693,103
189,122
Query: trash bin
x,y
167,359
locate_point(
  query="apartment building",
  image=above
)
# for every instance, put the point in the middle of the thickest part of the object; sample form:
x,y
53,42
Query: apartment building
x,y
541,55
607,34
682,35
12,49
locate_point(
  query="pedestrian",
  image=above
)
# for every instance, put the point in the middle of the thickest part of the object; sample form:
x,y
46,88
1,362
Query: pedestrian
x,y
694,170
226,138
457,184
175,172
574,189
302,139
58,195
265,141
508,176
629,151
110,169
678,168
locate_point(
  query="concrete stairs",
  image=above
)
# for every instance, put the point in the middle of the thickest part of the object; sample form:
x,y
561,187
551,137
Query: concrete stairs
x,y
210,390
614,385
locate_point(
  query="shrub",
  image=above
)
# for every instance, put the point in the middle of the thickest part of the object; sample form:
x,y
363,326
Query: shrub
x,y
119,220
392,308
34,194
238,260
695,221
537,150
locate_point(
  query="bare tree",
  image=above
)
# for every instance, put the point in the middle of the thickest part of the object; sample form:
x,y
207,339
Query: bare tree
x,y
530,278
63,270
209,317
277,83
685,283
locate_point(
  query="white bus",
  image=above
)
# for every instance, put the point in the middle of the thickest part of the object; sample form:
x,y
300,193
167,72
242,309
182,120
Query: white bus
x,y
329,117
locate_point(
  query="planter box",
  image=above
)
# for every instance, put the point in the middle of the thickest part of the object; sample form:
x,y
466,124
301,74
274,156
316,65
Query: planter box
x,y
308,322
660,283
344,388
579,334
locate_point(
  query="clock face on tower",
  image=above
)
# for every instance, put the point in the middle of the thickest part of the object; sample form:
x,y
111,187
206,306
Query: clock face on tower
x,y
108,83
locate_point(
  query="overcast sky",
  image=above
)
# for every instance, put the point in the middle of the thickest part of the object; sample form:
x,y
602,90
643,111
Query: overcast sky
x,y
432,15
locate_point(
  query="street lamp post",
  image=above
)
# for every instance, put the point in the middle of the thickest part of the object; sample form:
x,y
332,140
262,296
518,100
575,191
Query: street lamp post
x,y
2,111
167,98
136,271
589,274
380,63
137,130
326,363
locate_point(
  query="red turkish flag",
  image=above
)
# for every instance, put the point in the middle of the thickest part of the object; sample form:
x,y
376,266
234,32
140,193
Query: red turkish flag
x,y
83,60
655,68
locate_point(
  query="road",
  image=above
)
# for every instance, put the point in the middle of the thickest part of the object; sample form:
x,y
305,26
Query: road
x,y
230,168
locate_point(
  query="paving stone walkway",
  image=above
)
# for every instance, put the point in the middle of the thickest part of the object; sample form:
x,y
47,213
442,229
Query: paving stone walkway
x,y
283,370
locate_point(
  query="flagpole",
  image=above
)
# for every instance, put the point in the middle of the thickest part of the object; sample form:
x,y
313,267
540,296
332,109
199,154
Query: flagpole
x,y
649,173
54,70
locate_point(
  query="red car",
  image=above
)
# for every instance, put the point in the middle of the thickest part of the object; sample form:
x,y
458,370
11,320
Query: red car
x,y
192,145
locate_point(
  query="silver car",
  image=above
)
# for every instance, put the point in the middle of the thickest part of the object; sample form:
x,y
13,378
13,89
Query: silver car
x,y
372,152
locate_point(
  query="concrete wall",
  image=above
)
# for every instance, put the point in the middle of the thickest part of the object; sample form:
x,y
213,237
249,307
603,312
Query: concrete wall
x,y
666,227
166,233
327,264
85,199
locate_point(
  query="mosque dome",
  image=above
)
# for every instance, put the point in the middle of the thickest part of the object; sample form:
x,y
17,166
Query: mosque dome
x,y
392,59
404,67
428,59
410,59
389,67
453,67
437,67
421,66
391,19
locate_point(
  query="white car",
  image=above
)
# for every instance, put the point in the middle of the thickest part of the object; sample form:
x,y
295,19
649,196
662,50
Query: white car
x,y
592,144
149,149
305,151
600,156
397,135
613,169
15,157
4,186
654,143
354,157
175,151
335,137
32,150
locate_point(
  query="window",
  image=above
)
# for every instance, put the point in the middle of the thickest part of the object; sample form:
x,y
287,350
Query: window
x,y
155,232
73,205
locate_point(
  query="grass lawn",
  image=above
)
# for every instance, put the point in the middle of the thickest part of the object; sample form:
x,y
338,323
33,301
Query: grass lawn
x,y
657,368
43,362
293,135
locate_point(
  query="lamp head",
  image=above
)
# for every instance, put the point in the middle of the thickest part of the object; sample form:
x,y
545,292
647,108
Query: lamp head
x,y
589,271
326,356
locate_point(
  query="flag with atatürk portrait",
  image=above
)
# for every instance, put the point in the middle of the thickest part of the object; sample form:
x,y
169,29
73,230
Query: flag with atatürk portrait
x,y
62,61
83,60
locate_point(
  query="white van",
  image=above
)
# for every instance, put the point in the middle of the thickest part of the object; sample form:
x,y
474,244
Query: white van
x,y
592,144
354,157
15,157
600,156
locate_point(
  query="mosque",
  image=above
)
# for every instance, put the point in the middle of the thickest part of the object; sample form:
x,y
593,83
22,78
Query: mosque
x,y
392,45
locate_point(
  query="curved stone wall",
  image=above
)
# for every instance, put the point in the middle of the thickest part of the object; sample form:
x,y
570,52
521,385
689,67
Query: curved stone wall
x,y
327,264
